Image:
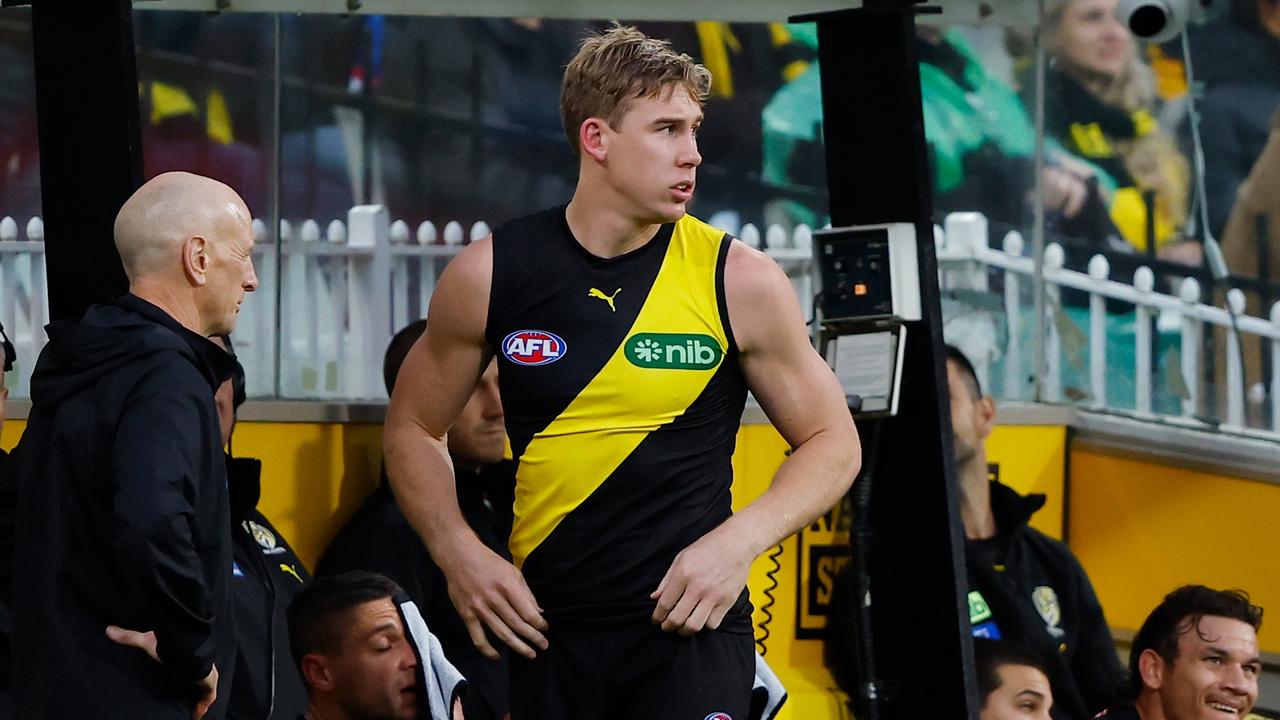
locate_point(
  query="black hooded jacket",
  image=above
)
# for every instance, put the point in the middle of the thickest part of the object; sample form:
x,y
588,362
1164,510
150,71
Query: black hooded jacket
x,y
265,577
115,508
1240,68
1034,592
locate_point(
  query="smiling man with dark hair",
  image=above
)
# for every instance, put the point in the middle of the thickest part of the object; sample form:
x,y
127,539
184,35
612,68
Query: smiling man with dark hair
x,y
1195,658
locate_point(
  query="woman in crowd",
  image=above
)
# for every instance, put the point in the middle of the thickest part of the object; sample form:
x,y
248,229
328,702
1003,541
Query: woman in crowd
x,y
1100,106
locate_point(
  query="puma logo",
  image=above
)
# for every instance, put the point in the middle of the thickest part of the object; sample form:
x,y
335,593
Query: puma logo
x,y
599,295
290,569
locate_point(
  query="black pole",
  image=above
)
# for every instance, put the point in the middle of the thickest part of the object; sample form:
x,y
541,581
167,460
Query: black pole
x,y
877,172
90,143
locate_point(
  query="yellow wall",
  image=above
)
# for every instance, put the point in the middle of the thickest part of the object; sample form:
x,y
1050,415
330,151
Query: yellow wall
x,y
1141,529
1033,459
313,476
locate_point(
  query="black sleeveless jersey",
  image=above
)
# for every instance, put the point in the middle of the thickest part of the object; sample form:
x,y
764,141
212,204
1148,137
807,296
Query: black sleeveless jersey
x,y
623,396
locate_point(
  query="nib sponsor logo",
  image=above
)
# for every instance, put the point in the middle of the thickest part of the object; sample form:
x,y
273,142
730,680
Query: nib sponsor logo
x,y
673,351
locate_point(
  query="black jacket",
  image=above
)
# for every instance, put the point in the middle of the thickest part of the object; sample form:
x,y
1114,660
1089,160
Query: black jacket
x,y
116,513
379,538
265,577
1240,69
1035,593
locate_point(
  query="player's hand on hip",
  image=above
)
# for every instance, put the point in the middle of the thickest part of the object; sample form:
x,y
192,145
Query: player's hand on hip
x,y
490,592
702,584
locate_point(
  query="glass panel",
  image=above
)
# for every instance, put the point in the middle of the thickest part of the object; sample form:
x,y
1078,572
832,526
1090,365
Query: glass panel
x,y
206,86
20,269
451,122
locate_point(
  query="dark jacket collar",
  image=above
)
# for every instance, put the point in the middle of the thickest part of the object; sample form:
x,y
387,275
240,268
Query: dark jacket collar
x,y
214,363
1011,510
244,486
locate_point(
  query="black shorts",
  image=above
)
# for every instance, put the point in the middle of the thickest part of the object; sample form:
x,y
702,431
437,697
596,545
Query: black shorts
x,y
633,670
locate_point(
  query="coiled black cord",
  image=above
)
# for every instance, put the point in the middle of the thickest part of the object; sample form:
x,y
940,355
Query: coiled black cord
x,y
772,576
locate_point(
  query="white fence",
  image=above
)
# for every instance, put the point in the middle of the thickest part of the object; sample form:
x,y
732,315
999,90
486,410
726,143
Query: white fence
x,y
347,286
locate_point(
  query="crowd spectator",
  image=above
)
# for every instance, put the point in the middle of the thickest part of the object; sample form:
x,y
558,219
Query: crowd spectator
x,y
1100,105
1237,58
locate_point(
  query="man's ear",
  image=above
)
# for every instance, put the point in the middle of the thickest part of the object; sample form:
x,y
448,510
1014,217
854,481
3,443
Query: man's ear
x,y
1151,667
317,673
986,409
195,259
592,138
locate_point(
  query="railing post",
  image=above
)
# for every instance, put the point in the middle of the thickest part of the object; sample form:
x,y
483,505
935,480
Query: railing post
x,y
1235,363
369,311
39,289
305,313
331,278
1189,357
1053,260
426,268
1144,282
1100,271
965,234
802,239
1012,245
258,354
399,276
11,283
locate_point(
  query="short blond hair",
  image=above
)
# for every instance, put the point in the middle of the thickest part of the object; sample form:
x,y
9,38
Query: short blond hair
x,y
618,66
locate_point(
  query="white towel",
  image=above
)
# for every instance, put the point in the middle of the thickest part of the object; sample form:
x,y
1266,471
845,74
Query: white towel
x,y
767,695
442,683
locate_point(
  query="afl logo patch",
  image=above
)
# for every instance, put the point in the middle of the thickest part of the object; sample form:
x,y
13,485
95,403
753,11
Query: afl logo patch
x,y
533,347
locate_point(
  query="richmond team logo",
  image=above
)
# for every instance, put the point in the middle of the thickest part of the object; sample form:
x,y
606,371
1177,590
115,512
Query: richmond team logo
x,y
533,347
718,716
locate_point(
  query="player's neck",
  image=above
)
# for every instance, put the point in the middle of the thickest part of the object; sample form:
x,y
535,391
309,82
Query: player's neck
x,y
601,227
175,303
975,499
1148,706
319,710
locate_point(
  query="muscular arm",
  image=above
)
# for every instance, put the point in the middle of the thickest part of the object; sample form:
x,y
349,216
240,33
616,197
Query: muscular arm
x,y
804,401
434,383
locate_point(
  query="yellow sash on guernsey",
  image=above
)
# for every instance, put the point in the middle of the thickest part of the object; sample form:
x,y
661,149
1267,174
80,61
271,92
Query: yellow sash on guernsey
x,y
566,462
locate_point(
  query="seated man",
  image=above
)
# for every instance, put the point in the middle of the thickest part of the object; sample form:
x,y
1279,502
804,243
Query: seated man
x,y
359,645
1011,682
265,576
1196,656
379,538
1024,586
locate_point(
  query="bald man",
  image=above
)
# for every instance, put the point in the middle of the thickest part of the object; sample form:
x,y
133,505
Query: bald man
x,y
121,544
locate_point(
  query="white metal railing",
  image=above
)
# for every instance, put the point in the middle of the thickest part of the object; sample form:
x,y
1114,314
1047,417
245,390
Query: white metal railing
x,y
965,250
348,285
